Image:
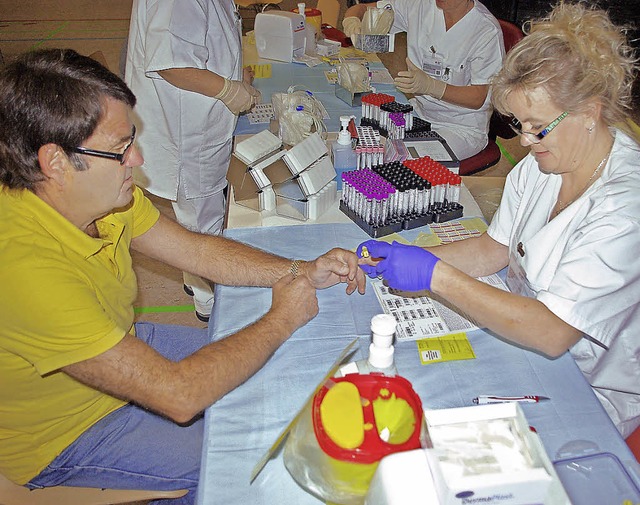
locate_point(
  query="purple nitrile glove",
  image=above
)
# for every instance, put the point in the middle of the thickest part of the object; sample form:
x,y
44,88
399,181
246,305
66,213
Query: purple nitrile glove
x,y
381,249
406,267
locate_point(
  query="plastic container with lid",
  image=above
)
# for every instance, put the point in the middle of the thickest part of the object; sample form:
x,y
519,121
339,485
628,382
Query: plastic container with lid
x,y
597,478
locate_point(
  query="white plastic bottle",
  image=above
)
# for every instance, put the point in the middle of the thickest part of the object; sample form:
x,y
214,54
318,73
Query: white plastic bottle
x,y
310,35
344,156
381,350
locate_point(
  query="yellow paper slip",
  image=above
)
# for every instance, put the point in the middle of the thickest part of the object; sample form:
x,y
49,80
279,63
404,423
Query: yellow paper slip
x,y
262,70
452,347
451,231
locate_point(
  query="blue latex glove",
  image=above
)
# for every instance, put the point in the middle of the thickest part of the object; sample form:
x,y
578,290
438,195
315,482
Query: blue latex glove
x,y
404,267
381,247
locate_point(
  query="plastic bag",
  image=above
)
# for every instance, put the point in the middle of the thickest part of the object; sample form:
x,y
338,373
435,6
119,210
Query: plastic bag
x,y
354,77
377,21
299,114
295,125
352,422
318,473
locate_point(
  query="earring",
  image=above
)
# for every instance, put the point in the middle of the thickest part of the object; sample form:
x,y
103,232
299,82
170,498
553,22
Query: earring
x,y
590,129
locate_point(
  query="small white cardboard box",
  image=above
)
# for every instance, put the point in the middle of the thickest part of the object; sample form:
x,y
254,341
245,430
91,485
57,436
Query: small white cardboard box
x,y
509,487
407,478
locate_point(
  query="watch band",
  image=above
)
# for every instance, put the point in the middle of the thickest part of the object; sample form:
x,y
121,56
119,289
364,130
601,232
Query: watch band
x,y
294,268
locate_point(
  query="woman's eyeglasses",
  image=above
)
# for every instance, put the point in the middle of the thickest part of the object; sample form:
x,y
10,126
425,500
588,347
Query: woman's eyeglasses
x,y
536,138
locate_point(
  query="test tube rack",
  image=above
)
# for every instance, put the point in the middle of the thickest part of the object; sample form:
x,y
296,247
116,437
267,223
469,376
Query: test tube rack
x,y
398,196
382,112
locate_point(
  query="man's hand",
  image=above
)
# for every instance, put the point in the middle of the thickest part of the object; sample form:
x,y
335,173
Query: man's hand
x,y
351,26
416,81
337,265
404,267
238,96
294,301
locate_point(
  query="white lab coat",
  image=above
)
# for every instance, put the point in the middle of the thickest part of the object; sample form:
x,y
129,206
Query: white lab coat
x,y
471,52
583,265
182,134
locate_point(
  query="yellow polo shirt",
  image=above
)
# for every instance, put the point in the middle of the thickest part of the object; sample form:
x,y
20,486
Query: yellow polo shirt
x,y
64,297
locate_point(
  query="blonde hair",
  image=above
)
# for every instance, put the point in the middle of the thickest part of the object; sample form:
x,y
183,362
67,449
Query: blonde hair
x,y
575,54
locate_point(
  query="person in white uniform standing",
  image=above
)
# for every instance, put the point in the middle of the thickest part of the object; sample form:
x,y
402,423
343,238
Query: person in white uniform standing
x,y
184,63
454,47
568,226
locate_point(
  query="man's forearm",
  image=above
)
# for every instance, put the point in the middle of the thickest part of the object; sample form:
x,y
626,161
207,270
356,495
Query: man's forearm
x,y
134,371
235,264
221,260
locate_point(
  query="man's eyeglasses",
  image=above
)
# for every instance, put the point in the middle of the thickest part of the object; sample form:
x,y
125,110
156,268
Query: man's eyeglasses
x,y
536,138
120,157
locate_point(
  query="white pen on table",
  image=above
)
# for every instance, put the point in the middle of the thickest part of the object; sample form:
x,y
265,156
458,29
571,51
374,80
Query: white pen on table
x,y
487,399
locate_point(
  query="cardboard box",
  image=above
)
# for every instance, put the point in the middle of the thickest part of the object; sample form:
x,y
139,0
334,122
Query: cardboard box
x,y
349,97
252,187
306,207
407,478
294,183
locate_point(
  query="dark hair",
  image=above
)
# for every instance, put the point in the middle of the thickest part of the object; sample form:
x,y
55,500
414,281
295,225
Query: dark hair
x,y
50,96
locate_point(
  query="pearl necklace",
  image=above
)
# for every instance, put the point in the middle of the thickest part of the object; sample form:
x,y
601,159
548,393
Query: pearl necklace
x,y
560,205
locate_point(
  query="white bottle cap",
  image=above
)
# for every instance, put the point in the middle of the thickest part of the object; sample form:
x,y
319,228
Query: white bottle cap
x,y
302,9
383,326
344,137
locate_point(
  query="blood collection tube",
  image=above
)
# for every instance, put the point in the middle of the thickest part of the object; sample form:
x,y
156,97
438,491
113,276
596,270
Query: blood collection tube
x,y
454,188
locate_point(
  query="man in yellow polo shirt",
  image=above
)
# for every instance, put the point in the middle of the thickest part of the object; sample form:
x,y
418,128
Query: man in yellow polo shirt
x,y
86,397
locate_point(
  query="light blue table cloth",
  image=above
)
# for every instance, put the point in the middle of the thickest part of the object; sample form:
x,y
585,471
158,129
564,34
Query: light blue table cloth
x,y
312,79
241,426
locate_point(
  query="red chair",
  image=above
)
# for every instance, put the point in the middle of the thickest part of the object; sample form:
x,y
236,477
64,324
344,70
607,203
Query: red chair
x,y
498,125
633,441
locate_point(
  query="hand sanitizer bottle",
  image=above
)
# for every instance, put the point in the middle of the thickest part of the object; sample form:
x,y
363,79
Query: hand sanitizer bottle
x,y
310,34
381,350
344,156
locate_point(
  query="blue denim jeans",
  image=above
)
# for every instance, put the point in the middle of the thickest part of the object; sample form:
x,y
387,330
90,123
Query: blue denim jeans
x,y
133,448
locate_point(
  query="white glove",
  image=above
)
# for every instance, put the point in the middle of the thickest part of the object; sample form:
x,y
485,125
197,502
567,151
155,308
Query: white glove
x,y
377,21
416,81
257,96
351,26
238,96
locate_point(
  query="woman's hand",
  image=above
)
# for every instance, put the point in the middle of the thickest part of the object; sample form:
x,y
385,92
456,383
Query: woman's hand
x,y
404,267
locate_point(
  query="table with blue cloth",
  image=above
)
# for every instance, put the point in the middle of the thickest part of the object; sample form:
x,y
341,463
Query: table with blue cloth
x,y
284,75
243,425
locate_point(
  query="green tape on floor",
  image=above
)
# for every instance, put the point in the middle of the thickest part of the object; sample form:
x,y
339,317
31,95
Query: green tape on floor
x,y
506,154
49,36
164,308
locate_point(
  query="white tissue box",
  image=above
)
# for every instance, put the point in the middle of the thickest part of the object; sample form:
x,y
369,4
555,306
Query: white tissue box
x,y
328,47
407,478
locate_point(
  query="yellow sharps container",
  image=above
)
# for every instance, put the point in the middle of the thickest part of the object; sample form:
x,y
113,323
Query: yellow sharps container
x,y
351,424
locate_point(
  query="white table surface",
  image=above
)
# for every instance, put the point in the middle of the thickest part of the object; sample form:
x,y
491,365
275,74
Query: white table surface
x,y
240,216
